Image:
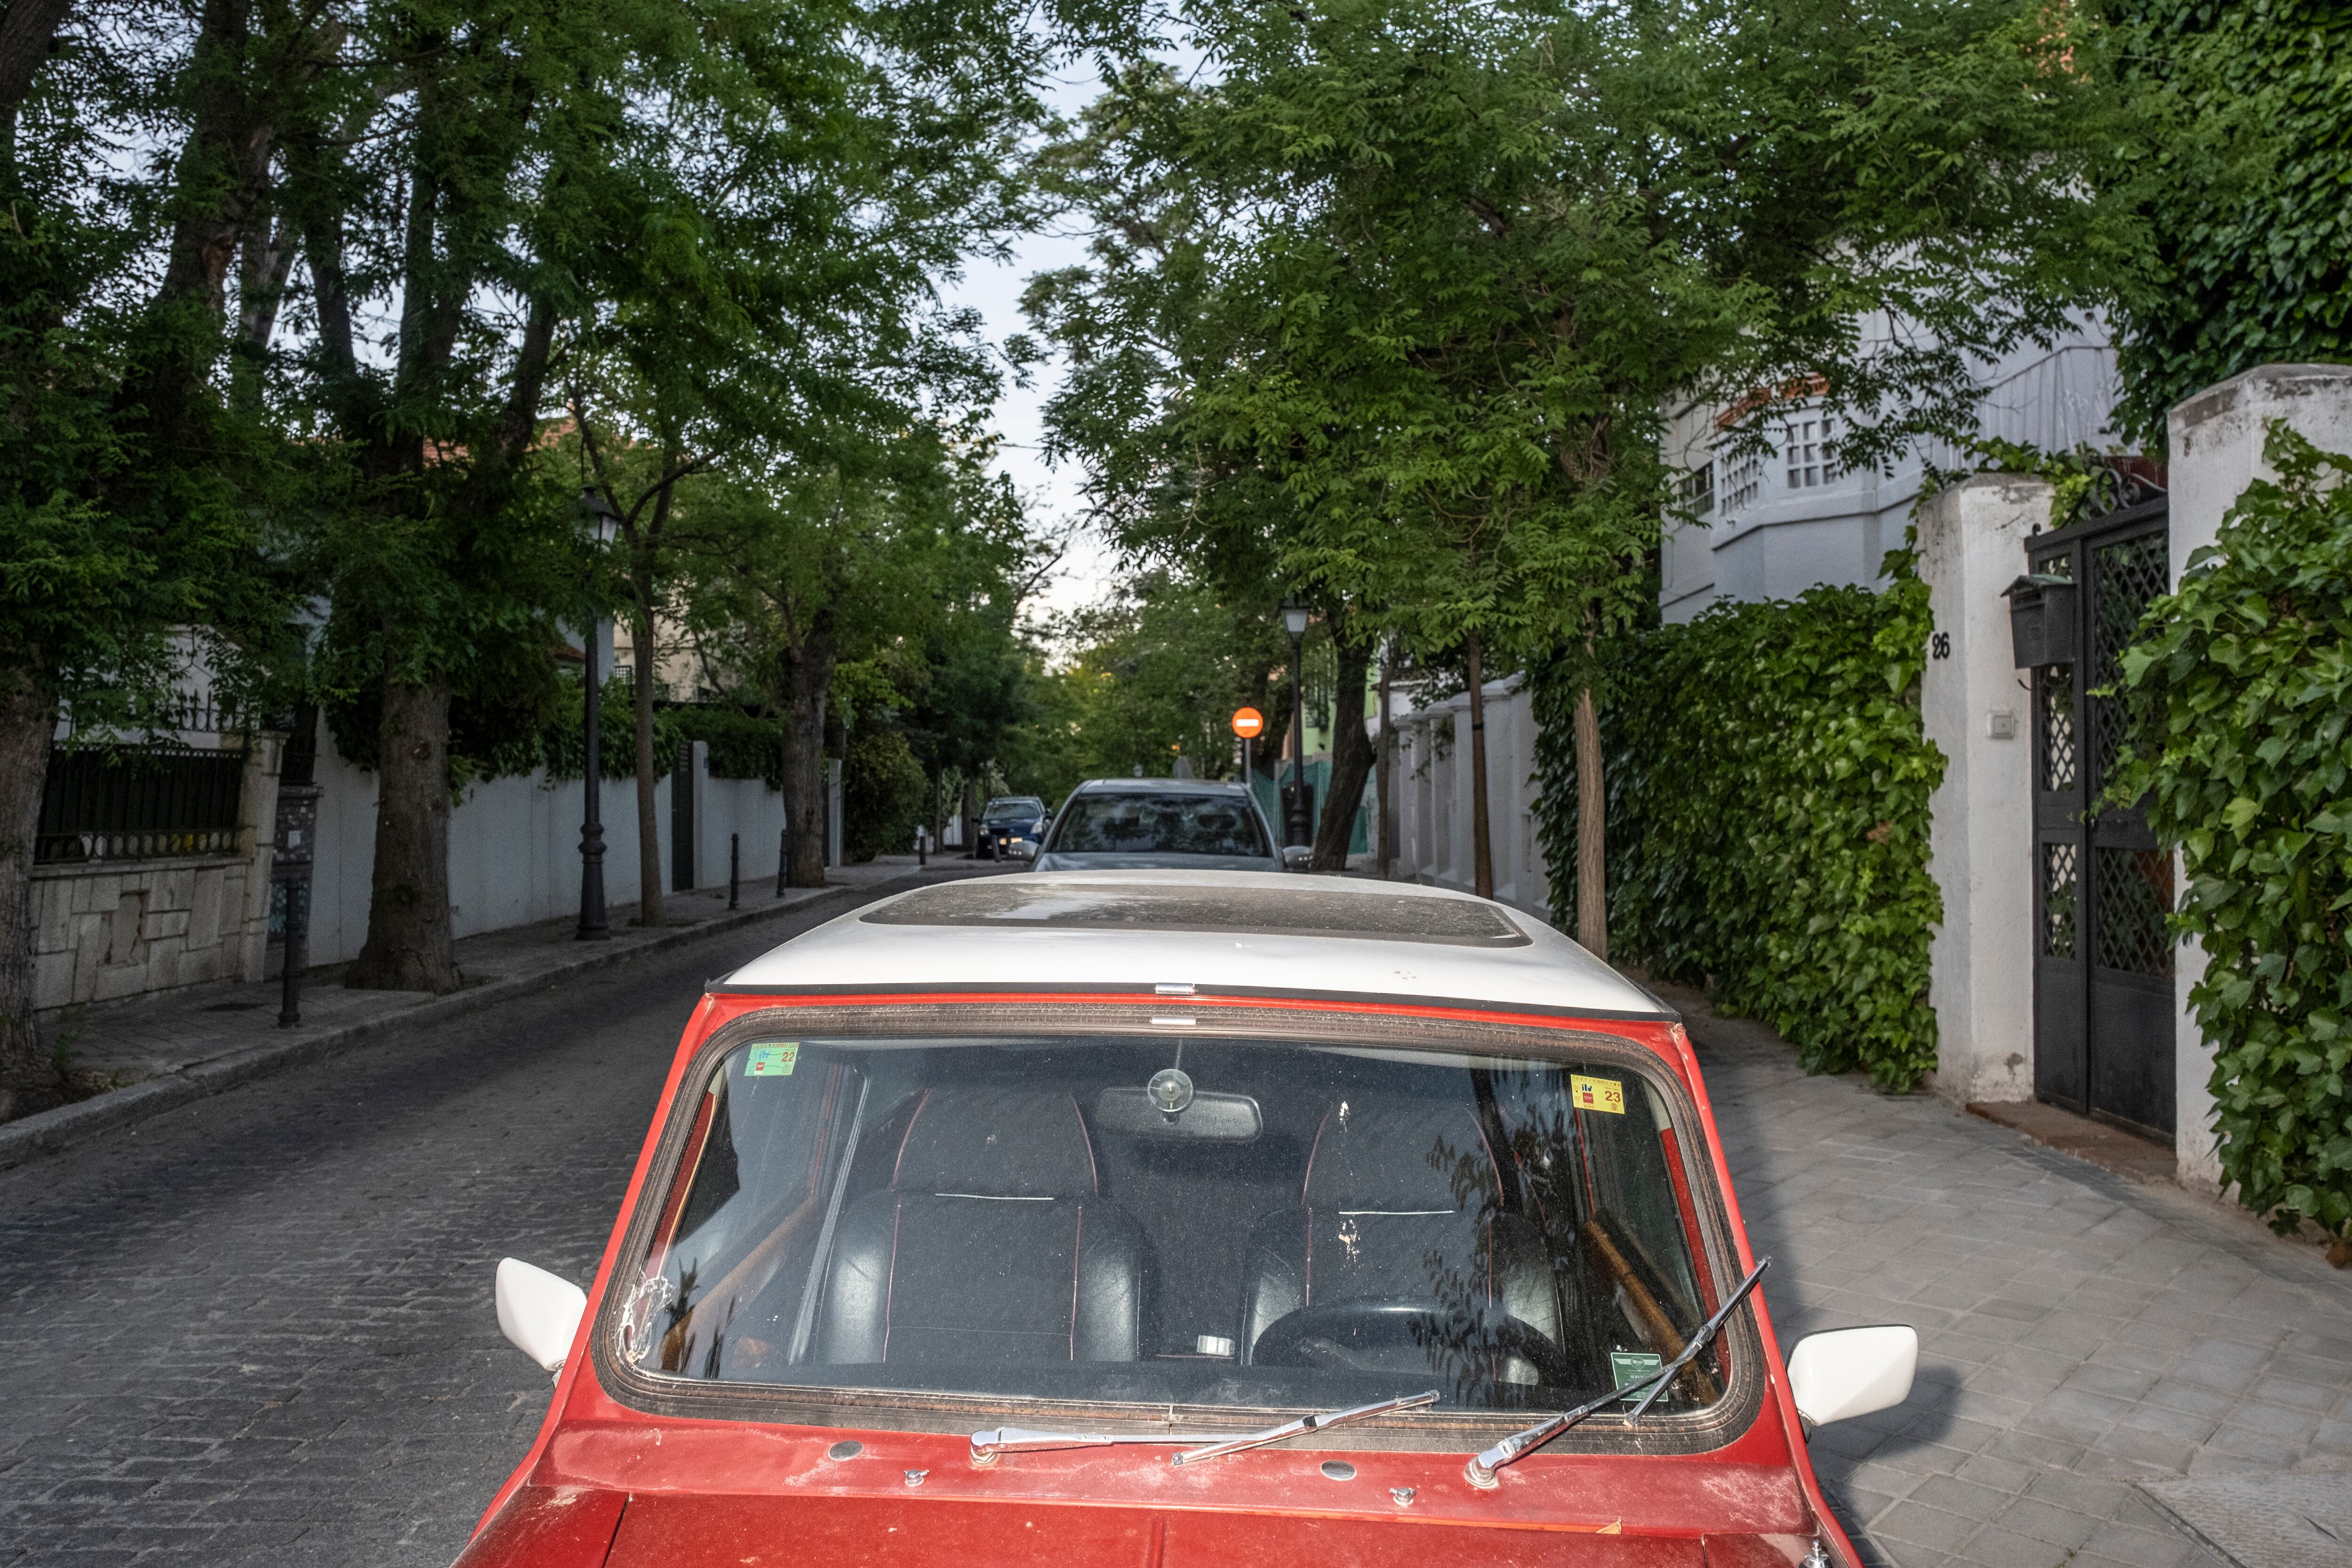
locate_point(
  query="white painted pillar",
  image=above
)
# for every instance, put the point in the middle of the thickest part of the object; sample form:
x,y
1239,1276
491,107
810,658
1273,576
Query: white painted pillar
x,y
1977,708
2216,439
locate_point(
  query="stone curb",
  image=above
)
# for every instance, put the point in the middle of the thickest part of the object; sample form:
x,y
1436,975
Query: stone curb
x,y
54,1131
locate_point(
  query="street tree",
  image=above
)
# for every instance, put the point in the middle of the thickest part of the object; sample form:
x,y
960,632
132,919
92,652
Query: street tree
x,y
789,223
1432,270
823,561
131,493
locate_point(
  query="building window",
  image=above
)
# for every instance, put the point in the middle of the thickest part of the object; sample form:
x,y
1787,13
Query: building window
x,y
1805,450
1742,478
1696,491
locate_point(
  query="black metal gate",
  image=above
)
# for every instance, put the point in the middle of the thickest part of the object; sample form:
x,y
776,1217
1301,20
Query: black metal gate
x,y
2102,997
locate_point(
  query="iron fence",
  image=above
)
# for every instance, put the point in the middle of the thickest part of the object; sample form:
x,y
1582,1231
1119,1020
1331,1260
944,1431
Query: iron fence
x,y
139,802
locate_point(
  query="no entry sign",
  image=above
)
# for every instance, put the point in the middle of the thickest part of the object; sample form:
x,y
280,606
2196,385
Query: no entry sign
x,y
1248,723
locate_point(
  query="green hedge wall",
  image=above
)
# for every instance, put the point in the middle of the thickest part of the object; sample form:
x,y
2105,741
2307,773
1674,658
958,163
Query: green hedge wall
x,y
743,745
1769,780
2241,689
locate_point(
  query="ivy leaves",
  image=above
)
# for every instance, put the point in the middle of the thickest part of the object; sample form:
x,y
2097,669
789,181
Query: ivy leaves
x,y
2241,689
1767,817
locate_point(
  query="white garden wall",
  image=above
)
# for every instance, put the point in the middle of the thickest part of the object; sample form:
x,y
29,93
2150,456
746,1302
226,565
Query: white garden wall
x,y
1432,783
514,848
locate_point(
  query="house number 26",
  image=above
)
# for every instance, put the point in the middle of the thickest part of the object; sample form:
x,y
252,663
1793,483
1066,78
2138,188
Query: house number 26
x,y
1940,645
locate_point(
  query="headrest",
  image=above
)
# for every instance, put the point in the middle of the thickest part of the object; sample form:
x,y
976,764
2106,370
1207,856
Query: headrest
x,y
997,1143
1401,1155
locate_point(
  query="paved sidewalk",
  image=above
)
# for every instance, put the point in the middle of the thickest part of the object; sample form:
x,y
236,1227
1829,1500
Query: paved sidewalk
x,y
152,1052
2081,1333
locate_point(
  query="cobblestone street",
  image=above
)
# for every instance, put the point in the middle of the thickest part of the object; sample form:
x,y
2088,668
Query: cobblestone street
x,y
257,1329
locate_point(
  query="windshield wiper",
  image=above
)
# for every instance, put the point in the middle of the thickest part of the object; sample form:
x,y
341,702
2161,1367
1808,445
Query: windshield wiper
x,y
1480,1471
986,1446
1305,1423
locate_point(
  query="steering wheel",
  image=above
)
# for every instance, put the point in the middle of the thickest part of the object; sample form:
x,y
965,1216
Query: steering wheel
x,y
1347,1334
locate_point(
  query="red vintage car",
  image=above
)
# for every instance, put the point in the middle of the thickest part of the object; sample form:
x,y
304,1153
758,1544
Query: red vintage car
x,y
1163,1217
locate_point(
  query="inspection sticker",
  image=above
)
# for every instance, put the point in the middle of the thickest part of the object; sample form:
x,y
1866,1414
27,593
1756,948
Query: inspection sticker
x,y
1597,1094
1625,1365
772,1061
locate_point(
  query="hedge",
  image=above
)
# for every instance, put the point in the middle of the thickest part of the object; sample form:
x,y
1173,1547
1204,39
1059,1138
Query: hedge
x,y
2240,693
1768,781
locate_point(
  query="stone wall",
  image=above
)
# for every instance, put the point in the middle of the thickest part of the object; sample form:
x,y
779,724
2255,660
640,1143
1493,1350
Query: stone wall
x,y
109,929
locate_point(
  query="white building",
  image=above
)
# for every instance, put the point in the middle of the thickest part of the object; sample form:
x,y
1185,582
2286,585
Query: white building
x,y
1770,527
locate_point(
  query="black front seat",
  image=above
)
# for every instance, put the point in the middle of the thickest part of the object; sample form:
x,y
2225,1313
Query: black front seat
x,y
993,1245
1403,1203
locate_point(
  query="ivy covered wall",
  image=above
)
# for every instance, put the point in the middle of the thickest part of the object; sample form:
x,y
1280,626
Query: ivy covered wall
x,y
2240,689
1767,779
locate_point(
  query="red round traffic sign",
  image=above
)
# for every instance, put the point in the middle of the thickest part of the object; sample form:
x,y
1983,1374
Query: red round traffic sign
x,y
1248,723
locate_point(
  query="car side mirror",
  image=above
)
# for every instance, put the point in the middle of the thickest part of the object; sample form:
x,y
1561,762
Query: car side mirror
x,y
1845,1373
539,1312
1297,857
1023,850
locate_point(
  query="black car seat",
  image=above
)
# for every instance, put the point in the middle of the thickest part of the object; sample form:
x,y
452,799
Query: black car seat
x,y
992,1246
1402,1202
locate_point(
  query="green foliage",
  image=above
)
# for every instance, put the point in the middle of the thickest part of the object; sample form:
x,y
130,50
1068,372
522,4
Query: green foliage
x,y
1153,674
536,718
1769,780
562,742
2238,162
743,745
884,795
2240,687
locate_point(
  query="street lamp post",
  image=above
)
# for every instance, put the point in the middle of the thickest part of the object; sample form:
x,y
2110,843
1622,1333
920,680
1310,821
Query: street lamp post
x,y
602,523
1299,829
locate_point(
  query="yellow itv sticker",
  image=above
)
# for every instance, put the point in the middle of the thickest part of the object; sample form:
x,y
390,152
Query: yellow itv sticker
x,y
772,1061
1597,1094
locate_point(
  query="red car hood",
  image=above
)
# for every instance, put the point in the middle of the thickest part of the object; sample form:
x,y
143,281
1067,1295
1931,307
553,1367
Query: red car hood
x,y
830,1532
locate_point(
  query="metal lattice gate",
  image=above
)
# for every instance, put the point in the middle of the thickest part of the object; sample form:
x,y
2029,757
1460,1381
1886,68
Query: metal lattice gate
x,y
2103,996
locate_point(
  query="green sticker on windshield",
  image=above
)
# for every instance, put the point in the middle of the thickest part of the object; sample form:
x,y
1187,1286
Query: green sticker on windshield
x,y
1625,1365
772,1061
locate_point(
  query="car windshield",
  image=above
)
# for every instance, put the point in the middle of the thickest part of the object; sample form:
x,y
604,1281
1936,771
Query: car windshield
x,y
1013,808
1157,823
1225,1221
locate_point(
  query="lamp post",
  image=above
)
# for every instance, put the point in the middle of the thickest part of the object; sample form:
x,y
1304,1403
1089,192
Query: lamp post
x,y
1298,827
602,523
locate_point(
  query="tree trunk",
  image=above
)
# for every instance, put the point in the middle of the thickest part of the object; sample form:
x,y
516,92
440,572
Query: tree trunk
x,y
971,817
1591,832
1388,809
808,687
1351,754
28,718
649,856
409,946
1482,840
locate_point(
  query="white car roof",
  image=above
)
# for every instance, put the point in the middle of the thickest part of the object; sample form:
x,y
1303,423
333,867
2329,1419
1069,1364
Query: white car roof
x,y
1266,933
1160,787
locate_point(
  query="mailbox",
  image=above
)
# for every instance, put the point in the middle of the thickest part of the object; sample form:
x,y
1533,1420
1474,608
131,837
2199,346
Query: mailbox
x,y
2041,619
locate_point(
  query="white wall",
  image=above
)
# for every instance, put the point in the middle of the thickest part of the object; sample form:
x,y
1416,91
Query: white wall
x,y
1432,780
2217,441
514,848
1981,839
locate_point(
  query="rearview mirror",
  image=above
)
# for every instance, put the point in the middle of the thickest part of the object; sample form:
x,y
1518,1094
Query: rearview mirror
x,y
1023,850
539,1312
1845,1373
1222,1118
1295,857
